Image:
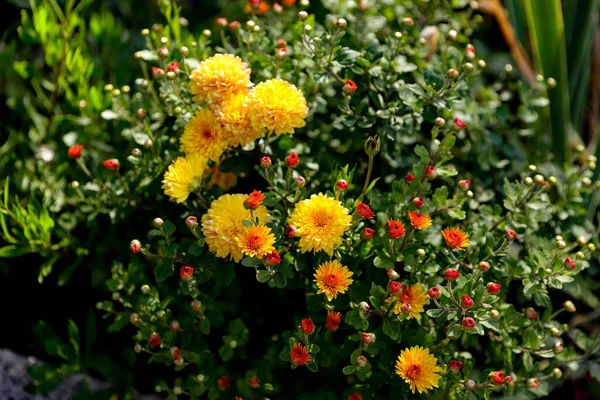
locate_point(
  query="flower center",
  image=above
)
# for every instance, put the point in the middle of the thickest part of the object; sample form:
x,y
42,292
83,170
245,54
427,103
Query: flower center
x,y
207,135
254,242
414,371
332,280
406,297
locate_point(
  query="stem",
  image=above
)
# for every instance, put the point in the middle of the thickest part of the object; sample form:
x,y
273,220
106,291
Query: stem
x,y
369,169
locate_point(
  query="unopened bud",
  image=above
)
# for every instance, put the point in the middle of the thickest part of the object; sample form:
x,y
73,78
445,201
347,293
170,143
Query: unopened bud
x,y
363,306
191,222
561,244
439,121
452,34
393,275
158,222
302,15
554,332
569,306
206,33
300,181
495,314
557,373
580,255
470,384
452,73
145,289
421,253
481,64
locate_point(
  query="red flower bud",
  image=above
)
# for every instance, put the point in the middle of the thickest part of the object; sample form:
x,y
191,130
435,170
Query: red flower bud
x,y
464,185
408,21
496,377
354,396
196,304
531,314
466,301
367,233
342,185
290,231
111,164
75,151
191,222
173,66
135,246
510,234
154,339
409,178
186,272
533,383
418,202
393,275
158,72
224,382
174,326
364,211
430,172
281,43
361,361
254,382
222,22
435,292
292,160
265,162
451,274
468,323
395,287
368,337
470,52
308,326
277,9
570,263
272,259
406,307
459,125
455,366
134,318
484,266
234,26
350,87
493,288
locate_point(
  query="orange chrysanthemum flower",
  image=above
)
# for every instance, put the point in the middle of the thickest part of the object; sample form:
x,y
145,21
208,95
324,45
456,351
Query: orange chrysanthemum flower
x,y
364,211
455,238
255,199
332,278
261,10
395,228
419,221
333,320
409,301
256,241
418,368
300,355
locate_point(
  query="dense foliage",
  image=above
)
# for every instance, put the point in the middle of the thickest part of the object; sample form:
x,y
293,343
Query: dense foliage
x,y
352,213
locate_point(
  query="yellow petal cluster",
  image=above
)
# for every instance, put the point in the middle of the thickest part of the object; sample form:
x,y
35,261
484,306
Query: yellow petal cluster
x,y
223,223
234,116
218,76
183,176
418,368
203,135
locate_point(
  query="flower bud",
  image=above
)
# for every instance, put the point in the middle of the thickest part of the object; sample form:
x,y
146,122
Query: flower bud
x,y
174,326
350,87
145,289
418,202
496,377
160,314
361,361
186,273
363,306
454,366
557,348
468,67
367,233
196,304
393,275
528,181
158,223
586,181
302,15
138,348
539,179
221,22
137,153
435,292
111,164
582,240
406,307
493,288
308,326
341,185
398,35
292,160
206,33
75,151
224,382
451,274
495,314
570,263
395,287
135,246
552,180
481,64
561,244
470,384
439,121
533,383
468,323
372,145
557,373
452,73
430,172
191,222
75,185
470,52
464,184
134,318
148,144
510,234
591,247
342,23
265,162
154,339
569,306
466,301
531,314
409,178
280,53
290,231
254,382
484,266
408,21
421,253
580,255
368,337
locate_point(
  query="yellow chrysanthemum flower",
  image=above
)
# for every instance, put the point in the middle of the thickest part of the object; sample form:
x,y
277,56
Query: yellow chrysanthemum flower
x,y
224,180
203,135
320,222
414,296
218,76
183,176
278,106
418,368
332,278
255,241
223,222
235,119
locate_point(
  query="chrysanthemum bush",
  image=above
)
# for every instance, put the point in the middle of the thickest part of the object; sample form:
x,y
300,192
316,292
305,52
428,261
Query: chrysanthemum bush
x,y
348,198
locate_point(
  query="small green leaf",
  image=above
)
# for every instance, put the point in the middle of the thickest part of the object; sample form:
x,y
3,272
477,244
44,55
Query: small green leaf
x,y
250,262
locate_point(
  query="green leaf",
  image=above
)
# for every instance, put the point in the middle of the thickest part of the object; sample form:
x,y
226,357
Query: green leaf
x,y
527,362
205,326
250,262
392,329
457,214
349,370
263,276
163,271
224,274
447,143
386,263
530,338
422,152
440,197
12,250
353,318
435,312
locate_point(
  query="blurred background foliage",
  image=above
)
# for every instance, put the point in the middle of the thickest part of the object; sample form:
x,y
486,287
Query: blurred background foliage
x,y
57,56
